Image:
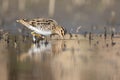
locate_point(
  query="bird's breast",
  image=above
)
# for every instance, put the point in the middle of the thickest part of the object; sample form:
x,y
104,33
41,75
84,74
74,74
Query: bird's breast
x,y
45,32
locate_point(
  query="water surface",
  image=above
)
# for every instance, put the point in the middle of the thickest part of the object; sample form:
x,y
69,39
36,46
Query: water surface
x,y
73,59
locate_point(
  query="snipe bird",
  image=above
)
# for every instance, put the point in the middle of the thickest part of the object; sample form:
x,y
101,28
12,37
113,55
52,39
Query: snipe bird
x,y
42,27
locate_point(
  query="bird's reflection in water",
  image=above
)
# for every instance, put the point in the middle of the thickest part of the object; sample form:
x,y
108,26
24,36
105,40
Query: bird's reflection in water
x,y
43,49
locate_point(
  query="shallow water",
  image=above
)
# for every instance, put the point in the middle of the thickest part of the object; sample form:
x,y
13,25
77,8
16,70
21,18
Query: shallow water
x,y
73,59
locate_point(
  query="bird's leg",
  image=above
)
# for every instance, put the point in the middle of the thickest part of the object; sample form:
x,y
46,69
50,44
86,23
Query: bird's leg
x,y
33,35
37,37
61,36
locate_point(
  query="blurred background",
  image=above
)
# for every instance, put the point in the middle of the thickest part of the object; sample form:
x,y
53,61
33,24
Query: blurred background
x,y
89,15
